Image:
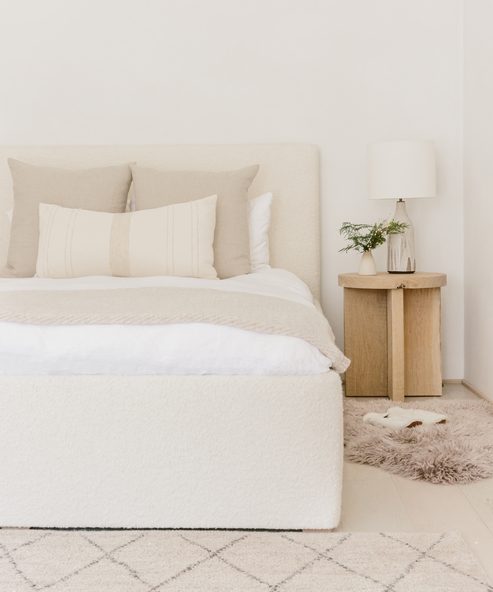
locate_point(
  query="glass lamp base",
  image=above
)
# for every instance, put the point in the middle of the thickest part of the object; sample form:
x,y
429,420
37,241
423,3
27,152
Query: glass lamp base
x,y
400,258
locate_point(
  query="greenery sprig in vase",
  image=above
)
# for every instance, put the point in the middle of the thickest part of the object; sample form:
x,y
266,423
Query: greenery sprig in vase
x,y
366,237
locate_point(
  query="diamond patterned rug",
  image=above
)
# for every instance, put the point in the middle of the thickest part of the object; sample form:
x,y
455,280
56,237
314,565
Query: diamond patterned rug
x,y
220,561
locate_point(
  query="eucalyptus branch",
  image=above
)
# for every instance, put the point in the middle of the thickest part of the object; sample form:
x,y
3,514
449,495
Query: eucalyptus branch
x,y
366,237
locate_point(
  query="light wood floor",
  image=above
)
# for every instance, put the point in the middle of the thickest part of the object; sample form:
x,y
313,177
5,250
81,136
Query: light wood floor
x,y
374,500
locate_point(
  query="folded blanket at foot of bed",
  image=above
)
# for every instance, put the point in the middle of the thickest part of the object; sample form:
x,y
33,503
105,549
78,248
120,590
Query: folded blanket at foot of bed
x,y
166,305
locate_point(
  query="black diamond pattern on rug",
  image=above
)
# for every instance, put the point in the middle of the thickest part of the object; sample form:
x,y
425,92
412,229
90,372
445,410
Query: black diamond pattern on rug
x,y
220,561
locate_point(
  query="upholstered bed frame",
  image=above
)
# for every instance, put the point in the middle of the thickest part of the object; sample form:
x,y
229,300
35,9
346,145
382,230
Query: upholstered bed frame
x,y
180,451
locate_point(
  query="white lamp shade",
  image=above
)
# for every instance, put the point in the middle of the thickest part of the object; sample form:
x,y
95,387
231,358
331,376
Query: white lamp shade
x,y
401,170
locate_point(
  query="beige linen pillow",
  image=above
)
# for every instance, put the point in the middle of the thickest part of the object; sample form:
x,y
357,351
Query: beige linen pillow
x,y
103,189
172,240
154,188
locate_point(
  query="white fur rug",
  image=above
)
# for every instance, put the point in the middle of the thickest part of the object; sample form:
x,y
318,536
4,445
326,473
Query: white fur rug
x,y
460,451
226,561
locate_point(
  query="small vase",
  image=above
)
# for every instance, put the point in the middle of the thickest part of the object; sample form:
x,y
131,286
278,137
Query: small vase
x,y
367,265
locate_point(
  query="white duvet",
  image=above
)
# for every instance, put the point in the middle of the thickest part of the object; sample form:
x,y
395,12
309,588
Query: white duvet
x,y
196,348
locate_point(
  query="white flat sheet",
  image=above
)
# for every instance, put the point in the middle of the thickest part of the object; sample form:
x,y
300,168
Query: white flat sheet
x,y
194,348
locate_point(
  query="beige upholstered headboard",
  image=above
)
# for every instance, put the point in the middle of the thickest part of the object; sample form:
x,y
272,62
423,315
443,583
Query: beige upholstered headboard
x,y
290,171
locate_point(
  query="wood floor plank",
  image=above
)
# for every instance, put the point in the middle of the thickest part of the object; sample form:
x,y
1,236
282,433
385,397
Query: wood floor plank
x,y
372,503
480,496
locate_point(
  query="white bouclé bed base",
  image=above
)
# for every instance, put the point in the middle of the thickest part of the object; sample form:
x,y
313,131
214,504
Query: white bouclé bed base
x,y
227,452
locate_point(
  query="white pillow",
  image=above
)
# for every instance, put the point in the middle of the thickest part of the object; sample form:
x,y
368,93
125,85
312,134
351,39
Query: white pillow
x,y
259,224
171,240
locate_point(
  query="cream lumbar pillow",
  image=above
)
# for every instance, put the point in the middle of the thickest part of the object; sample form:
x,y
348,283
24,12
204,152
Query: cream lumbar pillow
x,y
172,240
103,189
154,188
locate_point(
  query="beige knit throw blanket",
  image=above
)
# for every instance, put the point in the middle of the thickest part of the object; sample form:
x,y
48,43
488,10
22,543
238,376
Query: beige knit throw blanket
x,y
167,305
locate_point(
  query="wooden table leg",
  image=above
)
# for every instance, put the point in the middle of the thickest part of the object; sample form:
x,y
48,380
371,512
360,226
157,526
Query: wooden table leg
x,y
423,376
365,336
395,340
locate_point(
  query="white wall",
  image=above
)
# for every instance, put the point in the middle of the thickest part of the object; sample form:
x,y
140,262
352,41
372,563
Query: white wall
x,y
339,74
478,194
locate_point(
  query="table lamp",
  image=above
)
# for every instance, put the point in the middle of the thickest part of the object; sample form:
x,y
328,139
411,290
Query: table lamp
x,y
401,170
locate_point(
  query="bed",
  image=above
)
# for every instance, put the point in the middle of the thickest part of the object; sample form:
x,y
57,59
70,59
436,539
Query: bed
x,y
189,450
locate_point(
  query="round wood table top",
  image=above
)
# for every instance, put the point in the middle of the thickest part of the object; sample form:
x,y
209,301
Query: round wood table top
x,y
393,281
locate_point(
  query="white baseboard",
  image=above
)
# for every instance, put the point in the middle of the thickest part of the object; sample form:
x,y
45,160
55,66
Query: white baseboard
x,y
476,391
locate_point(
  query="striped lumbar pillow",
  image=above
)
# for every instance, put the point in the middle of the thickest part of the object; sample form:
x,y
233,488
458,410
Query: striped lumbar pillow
x,y
171,240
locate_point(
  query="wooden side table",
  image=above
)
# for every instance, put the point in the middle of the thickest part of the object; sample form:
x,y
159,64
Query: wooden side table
x,y
392,334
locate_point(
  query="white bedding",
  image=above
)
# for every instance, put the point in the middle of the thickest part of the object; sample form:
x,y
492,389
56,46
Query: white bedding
x,y
196,348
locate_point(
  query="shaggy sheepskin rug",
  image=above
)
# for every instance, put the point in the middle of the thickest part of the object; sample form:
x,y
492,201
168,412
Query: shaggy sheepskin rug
x,y
459,451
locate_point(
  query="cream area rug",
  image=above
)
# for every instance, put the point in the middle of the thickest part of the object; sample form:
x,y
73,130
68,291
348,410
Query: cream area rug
x,y
460,451
227,561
